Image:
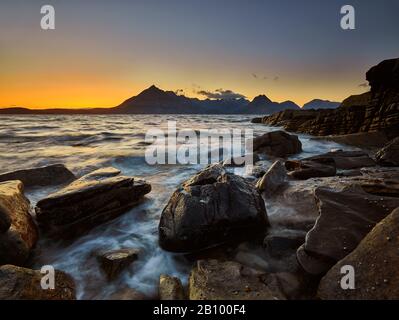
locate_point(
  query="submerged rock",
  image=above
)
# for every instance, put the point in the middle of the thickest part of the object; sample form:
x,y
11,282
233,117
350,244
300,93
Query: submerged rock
x,y
115,261
43,176
273,179
88,202
345,218
277,144
375,262
211,208
389,154
18,232
170,288
18,283
228,280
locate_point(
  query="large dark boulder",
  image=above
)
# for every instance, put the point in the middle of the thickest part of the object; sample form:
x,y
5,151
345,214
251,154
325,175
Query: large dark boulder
x,y
88,202
345,218
212,207
44,176
389,154
375,262
18,283
18,232
277,144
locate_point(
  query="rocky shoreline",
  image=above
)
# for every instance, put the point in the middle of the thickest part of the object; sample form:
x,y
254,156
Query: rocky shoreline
x,y
334,209
372,115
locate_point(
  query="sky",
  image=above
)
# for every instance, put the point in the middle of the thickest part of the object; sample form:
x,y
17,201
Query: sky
x,y
103,52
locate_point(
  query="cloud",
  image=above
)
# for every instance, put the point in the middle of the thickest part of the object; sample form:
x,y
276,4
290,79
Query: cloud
x,y
221,94
364,85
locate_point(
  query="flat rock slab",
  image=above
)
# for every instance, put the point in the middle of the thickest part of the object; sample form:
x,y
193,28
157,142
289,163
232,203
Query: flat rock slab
x,y
367,140
85,204
306,169
346,160
228,280
345,218
375,262
18,283
100,174
211,208
18,232
44,176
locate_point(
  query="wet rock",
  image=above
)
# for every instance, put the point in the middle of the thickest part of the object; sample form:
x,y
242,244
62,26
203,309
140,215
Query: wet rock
x,y
18,232
211,208
277,144
115,261
284,242
100,174
18,283
345,218
375,262
170,288
389,154
273,179
305,169
44,176
228,280
87,203
127,294
346,160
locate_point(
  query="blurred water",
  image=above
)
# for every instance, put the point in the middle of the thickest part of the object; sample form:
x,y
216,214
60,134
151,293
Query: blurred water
x,y
85,143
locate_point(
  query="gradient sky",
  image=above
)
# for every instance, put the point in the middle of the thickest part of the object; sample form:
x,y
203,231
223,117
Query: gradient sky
x,y
103,52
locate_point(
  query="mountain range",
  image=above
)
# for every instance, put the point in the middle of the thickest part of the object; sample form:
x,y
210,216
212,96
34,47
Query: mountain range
x,y
156,101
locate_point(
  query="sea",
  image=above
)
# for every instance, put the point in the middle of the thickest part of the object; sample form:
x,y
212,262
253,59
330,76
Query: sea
x,y
84,143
